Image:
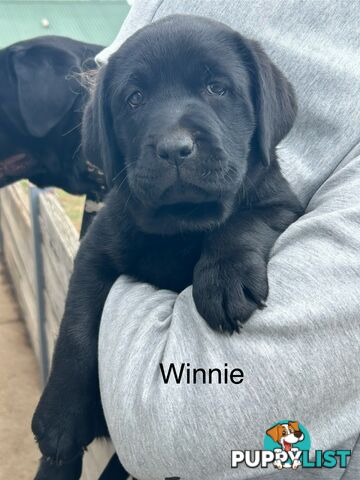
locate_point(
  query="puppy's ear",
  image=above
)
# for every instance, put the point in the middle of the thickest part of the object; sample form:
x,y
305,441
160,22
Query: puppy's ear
x,y
274,100
98,137
275,433
46,85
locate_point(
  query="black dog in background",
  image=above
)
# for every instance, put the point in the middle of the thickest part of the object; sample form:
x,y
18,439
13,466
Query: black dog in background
x,y
185,118
41,106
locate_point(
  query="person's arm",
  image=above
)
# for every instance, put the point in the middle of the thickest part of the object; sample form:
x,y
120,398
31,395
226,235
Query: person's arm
x,y
299,355
142,13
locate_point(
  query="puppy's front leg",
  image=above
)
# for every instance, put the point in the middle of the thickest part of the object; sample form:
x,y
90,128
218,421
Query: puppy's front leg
x,y
230,279
69,414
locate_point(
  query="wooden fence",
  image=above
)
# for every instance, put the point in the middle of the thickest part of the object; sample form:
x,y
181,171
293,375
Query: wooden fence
x,y
39,244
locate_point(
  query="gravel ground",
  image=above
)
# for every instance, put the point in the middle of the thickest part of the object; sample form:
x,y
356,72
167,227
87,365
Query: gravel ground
x,y
19,391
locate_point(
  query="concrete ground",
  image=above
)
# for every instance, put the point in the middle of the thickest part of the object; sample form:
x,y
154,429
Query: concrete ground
x,y
19,391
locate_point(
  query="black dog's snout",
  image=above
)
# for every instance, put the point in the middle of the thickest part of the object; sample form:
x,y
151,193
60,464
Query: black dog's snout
x,y
298,434
175,147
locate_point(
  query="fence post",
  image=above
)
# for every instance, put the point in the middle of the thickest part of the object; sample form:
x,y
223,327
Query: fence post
x,y
34,194
1,234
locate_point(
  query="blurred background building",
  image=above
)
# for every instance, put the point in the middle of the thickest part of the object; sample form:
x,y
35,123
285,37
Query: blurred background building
x,y
95,21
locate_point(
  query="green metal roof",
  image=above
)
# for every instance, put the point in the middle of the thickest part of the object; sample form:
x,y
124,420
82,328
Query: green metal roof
x,y
90,21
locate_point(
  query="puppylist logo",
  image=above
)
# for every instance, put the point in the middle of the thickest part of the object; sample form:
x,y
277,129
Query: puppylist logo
x,y
287,445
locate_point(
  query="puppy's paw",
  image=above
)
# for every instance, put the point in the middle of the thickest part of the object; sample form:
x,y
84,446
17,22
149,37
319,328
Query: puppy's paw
x,y
227,291
62,425
50,471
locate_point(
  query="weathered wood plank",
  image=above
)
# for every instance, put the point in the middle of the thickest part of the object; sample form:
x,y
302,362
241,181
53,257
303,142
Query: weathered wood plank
x,y
18,195
24,294
18,252
60,268
56,292
59,226
22,250
59,243
16,223
51,336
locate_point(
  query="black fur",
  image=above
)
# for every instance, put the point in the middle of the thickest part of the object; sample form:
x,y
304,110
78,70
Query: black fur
x,y
41,107
197,197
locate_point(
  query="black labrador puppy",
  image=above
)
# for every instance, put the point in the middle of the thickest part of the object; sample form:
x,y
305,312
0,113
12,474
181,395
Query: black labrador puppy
x,y
185,117
41,106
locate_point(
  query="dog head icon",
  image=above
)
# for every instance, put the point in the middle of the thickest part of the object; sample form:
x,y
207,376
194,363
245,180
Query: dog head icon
x,y
286,434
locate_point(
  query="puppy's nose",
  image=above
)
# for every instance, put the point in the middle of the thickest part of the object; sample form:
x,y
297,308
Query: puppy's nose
x,y
176,147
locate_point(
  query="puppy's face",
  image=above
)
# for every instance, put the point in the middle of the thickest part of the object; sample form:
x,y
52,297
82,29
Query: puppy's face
x,y
184,121
180,119
34,119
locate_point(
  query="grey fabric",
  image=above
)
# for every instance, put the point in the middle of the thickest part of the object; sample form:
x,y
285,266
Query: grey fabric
x,y
299,355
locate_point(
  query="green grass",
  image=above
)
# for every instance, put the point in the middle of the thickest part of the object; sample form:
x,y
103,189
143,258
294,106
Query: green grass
x,y
72,205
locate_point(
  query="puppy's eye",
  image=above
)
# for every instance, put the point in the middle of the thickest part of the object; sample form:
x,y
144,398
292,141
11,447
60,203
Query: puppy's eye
x,y
216,88
135,99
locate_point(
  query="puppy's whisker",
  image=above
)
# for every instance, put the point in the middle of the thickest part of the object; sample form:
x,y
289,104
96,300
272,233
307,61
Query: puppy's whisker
x,y
122,170
76,151
118,174
116,90
72,129
252,184
118,187
127,201
244,194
